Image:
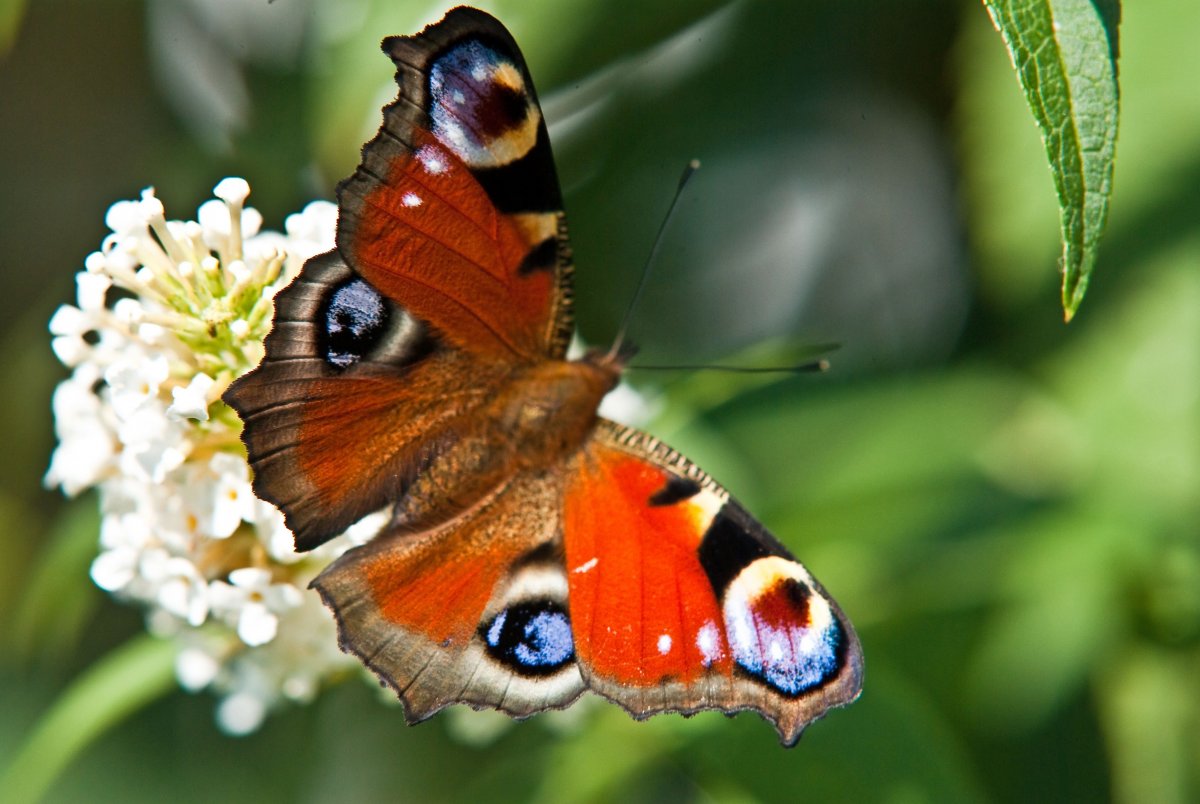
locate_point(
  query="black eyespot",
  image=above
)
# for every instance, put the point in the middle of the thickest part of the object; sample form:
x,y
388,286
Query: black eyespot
x,y
512,105
356,318
533,638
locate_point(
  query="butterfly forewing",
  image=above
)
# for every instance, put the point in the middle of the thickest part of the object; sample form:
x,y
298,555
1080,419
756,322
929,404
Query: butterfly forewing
x,y
456,212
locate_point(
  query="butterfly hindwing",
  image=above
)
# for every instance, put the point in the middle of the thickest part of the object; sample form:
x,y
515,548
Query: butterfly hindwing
x,y
473,611
681,601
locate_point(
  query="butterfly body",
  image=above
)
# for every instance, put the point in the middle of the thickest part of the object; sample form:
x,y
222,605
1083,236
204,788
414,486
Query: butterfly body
x,y
534,550
533,420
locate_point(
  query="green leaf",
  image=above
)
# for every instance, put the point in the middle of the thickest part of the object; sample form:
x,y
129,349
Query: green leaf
x,y
1065,55
127,679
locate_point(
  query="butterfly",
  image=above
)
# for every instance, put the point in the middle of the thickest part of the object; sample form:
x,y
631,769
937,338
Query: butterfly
x,y
533,550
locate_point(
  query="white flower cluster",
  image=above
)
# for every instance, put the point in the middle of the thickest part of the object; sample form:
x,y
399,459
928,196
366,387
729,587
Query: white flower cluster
x,y
168,314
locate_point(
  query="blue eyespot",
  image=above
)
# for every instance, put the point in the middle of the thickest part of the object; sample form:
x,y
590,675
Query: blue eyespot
x,y
355,321
533,638
774,639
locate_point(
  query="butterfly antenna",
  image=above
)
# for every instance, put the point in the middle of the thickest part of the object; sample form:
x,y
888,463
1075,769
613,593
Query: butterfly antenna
x,y
809,367
691,168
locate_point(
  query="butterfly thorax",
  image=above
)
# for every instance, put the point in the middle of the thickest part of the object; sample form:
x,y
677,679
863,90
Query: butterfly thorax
x,y
538,415
549,408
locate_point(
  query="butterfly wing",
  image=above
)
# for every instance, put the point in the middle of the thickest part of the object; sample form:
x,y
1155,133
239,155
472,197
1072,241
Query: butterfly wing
x,y
681,601
473,611
628,571
455,211
452,264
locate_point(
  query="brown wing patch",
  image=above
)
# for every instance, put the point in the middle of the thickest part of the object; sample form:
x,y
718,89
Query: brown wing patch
x,y
331,441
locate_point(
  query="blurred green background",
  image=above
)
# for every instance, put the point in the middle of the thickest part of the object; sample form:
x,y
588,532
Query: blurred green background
x,y
1008,508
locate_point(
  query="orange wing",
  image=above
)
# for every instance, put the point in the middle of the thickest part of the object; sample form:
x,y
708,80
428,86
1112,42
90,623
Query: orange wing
x,y
352,399
681,601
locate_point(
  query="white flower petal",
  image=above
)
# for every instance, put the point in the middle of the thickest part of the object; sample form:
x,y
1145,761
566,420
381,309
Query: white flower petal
x,y
150,206
627,405
133,382
232,190
70,350
241,713
257,625
195,669
225,598
125,217
252,578
174,596
251,222
112,570
129,311
191,402
312,229
69,320
91,291
152,334
95,263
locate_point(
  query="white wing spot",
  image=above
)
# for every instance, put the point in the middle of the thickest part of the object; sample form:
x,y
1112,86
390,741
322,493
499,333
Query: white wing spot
x,y
586,566
431,160
411,200
458,97
706,641
479,73
664,644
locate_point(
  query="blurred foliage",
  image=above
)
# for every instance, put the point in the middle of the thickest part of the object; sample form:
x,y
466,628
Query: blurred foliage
x,y
1006,507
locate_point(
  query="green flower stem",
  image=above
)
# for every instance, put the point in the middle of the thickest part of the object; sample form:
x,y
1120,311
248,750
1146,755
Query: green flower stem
x,y
124,681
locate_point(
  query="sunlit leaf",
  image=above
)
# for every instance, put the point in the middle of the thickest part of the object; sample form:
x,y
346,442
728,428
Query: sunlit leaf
x,y
1065,54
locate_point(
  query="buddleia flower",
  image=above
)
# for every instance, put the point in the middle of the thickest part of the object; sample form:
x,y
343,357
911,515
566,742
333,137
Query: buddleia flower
x,y
167,314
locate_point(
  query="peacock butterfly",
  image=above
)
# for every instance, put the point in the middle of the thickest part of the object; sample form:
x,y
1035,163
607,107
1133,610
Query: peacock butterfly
x,y
534,550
